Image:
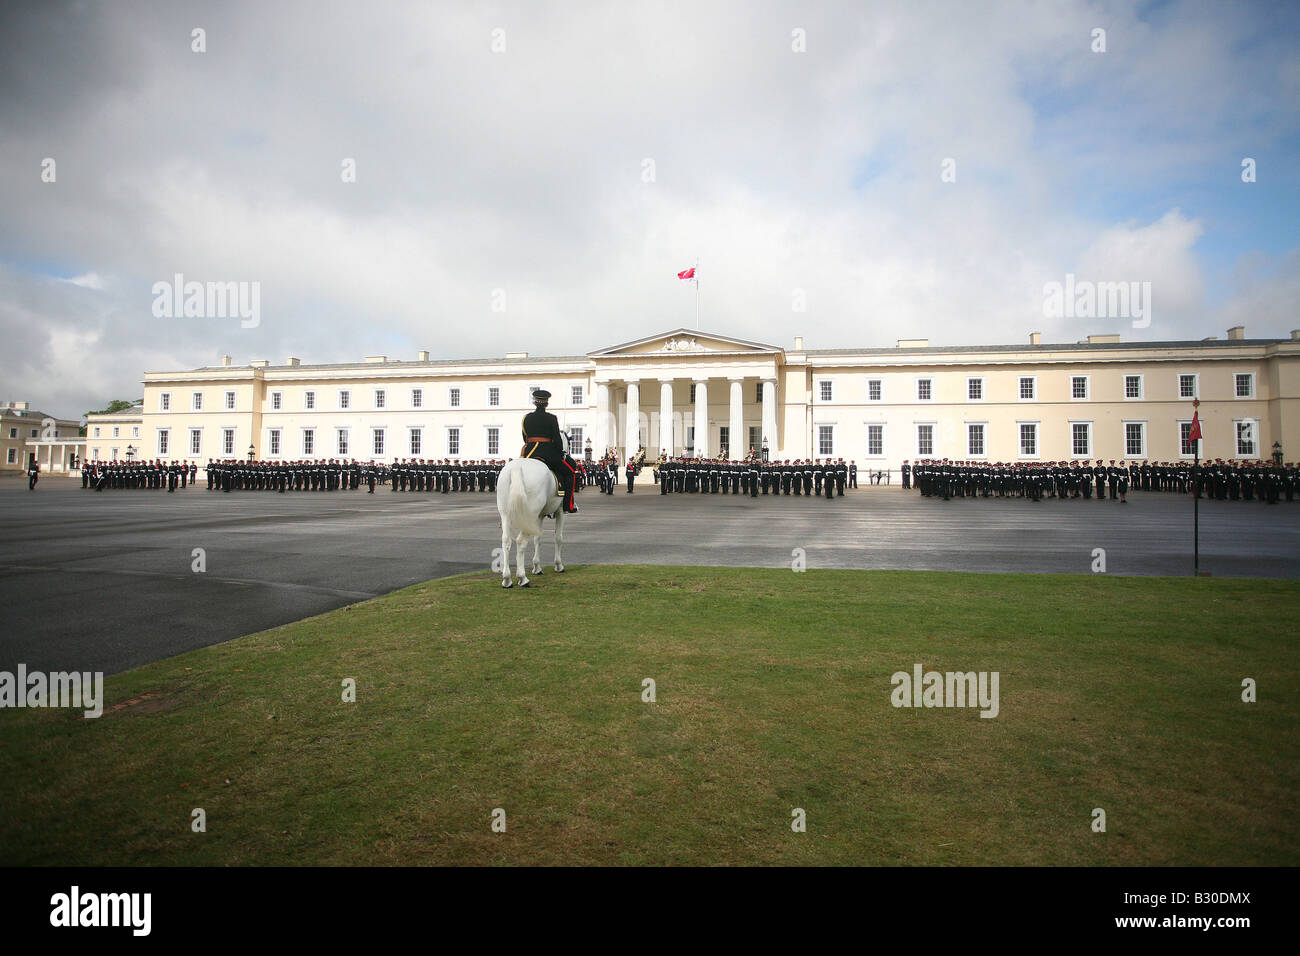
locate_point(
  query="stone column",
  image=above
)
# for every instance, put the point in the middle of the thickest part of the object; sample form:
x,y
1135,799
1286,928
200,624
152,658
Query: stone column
x,y
632,442
737,448
769,417
665,418
600,440
701,418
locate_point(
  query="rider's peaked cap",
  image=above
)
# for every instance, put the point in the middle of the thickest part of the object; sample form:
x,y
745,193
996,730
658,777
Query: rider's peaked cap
x,y
541,395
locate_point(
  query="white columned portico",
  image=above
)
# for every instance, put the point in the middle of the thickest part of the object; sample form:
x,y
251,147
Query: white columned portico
x,y
666,416
736,425
701,418
633,426
601,442
769,416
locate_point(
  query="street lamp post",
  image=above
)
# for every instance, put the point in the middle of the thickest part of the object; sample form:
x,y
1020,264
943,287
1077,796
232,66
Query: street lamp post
x,y
765,448
587,449
250,454
1277,453
130,452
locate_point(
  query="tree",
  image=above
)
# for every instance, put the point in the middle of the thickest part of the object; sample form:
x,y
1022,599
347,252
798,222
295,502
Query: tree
x,y
115,406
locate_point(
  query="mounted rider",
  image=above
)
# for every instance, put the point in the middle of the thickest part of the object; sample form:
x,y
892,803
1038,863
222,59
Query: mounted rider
x,y
544,441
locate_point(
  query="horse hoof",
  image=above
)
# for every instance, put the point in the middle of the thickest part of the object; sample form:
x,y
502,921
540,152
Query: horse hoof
x,y
506,583
559,569
524,584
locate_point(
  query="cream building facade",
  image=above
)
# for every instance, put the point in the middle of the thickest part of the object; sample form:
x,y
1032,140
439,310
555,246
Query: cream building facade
x,y
27,434
703,393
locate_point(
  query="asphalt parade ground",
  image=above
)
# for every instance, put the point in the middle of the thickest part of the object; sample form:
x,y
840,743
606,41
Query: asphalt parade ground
x,y
107,581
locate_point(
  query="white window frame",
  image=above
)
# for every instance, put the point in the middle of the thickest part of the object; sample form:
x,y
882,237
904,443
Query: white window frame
x,y
13,432
1142,387
228,442
983,390
196,447
934,438
1086,456
487,439
880,382
163,442
1020,388
135,431
460,439
1243,398
381,398
229,401
1038,435
1087,391
378,441
1124,438
13,456
453,396
415,440
930,380
274,442
1196,387
494,396
577,396
342,443
165,402
984,438
196,401
117,432
277,401
345,399
884,439
818,426
578,431
417,398
1191,455
309,400
307,437
825,390
1236,428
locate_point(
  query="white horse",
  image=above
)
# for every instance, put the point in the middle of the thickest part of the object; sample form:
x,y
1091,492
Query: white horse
x,y
526,493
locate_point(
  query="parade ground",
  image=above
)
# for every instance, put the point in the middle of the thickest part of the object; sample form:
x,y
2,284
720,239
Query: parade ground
x,y
109,581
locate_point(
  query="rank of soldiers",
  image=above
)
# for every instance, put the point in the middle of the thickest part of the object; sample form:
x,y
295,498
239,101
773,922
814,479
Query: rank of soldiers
x,y
308,475
809,477
1232,480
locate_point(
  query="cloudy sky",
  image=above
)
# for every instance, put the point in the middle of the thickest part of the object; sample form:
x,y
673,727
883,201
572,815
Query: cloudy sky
x,y
532,176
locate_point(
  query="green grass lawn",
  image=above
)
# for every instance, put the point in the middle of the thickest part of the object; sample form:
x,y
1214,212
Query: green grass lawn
x,y
773,693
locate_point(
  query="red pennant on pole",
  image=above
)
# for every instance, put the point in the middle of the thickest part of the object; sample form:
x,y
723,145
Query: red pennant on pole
x,y
1195,433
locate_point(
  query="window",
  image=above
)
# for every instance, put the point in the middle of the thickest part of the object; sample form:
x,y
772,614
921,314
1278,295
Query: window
x,y
924,389
275,442
453,441
1081,439
1079,387
1028,387
230,401
381,397
494,397
1187,386
875,441
1246,432
309,400
342,434
575,395
345,398
228,442
724,439
165,402
925,440
874,389
1132,386
163,436
975,440
135,431
13,455
576,437
1245,384
196,441
417,441
690,436
494,441
1028,439
692,393
377,442
277,401
453,397
116,432
196,401
975,389
417,398
826,439
308,442
755,440
758,393
34,432
1135,439
1186,447
824,387
13,432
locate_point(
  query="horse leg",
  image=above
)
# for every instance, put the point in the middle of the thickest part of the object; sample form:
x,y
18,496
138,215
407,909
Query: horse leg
x,y
521,545
505,556
559,540
537,555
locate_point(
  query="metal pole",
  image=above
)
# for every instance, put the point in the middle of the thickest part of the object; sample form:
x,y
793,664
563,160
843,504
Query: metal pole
x,y
1196,513
697,293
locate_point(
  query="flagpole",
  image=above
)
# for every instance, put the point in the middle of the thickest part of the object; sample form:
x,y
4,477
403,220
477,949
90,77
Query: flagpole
x,y
697,293
1196,501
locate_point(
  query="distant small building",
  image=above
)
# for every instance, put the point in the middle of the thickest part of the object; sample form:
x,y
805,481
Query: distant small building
x,y
27,434
109,437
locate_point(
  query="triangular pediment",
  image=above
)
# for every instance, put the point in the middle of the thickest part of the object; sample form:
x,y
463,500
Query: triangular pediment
x,y
686,342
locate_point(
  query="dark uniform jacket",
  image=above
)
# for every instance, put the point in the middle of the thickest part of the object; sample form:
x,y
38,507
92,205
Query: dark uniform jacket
x,y
541,424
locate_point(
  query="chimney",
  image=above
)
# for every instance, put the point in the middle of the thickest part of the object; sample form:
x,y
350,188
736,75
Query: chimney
x,y
225,361
913,343
1295,335
424,355
1035,338
1236,333
291,361
1210,338
1107,339
260,363
798,343
516,355
376,359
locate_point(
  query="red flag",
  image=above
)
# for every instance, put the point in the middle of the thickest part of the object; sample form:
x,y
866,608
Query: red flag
x,y
688,274
1195,433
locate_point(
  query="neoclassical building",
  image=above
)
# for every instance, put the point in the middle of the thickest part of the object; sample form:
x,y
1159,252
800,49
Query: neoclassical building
x,y
704,393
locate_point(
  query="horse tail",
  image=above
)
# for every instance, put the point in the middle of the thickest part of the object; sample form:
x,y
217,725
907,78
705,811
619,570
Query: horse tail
x,y
521,516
